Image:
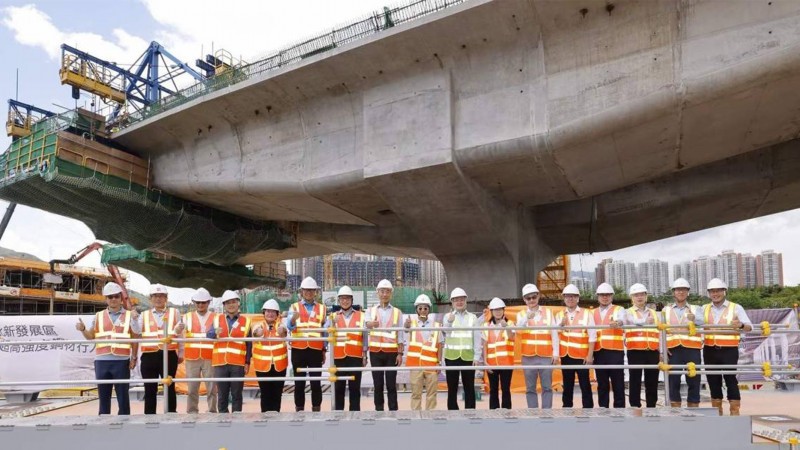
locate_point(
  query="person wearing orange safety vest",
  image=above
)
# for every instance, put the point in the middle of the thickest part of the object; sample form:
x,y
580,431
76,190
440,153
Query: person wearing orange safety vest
x,y
722,347
307,313
349,350
385,347
423,349
576,347
160,321
197,355
609,348
498,350
231,359
537,347
682,348
643,348
113,360
462,348
270,356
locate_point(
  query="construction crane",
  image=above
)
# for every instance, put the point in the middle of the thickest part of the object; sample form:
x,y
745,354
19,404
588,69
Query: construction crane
x,y
554,277
21,116
112,269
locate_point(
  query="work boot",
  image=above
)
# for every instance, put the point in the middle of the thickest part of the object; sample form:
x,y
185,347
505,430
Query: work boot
x,y
675,404
735,404
717,403
298,408
316,408
693,405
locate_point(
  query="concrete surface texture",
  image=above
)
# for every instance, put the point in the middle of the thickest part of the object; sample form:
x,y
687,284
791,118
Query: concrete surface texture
x,y
496,134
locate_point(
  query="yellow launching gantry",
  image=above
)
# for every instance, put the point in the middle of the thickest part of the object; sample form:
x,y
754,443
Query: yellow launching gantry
x,y
83,71
21,116
554,277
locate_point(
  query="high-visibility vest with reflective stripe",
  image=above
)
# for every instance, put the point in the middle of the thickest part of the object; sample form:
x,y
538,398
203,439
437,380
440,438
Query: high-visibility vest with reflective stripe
x,y
385,341
460,344
499,347
646,339
196,328
150,329
721,340
230,352
104,328
536,342
348,343
574,343
609,338
267,354
423,352
306,321
682,338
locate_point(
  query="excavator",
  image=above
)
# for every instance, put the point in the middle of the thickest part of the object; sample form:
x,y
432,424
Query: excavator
x,y
112,269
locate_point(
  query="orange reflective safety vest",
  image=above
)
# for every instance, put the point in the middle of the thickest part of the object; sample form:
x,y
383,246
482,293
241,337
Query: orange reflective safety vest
x,y
269,354
104,328
150,329
682,338
230,352
499,346
730,338
422,352
348,343
608,338
574,343
314,319
197,328
384,341
536,342
645,339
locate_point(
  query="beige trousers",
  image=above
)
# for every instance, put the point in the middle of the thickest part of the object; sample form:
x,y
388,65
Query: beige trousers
x,y
197,369
427,381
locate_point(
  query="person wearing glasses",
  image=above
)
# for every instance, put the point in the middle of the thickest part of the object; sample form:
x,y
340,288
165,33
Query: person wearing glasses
x,y
537,347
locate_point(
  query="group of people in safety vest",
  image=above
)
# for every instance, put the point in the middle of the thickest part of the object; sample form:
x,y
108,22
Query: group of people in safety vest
x,y
381,337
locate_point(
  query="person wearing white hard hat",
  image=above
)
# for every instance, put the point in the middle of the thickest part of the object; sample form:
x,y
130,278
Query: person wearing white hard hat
x,y
307,313
498,350
197,355
723,347
161,321
349,350
385,347
270,356
462,348
681,347
576,347
113,360
643,348
537,347
609,348
424,349
231,359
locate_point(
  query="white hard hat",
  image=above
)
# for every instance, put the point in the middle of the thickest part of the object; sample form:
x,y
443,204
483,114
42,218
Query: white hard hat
x,y
271,304
385,284
680,283
571,289
529,289
457,292
422,299
309,283
158,289
716,283
229,295
604,288
637,288
111,288
202,295
497,303
345,290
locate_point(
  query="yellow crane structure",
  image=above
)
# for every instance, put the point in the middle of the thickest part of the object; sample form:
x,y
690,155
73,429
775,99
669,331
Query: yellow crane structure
x,y
554,277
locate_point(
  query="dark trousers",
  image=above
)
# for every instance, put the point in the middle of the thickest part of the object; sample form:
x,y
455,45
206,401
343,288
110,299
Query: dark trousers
x,y
467,379
649,357
610,379
305,358
500,380
384,359
113,370
229,390
153,367
353,386
681,355
271,391
568,374
722,355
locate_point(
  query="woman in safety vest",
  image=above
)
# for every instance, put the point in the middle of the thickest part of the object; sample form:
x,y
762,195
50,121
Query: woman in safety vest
x,y
270,356
498,345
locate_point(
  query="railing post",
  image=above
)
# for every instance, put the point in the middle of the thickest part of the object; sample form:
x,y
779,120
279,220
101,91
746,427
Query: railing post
x,y
165,373
662,343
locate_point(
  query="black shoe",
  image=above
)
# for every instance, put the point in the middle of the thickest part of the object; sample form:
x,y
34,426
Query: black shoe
x,y
316,409
298,408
